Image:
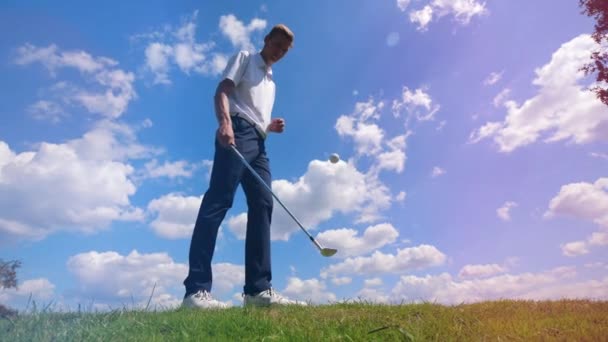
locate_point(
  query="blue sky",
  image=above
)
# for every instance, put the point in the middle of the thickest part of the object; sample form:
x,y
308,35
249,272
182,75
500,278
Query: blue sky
x,y
474,162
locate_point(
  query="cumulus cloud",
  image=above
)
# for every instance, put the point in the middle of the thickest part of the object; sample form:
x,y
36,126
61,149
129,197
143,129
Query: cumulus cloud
x,y
367,136
112,89
404,260
174,215
176,169
418,104
437,171
373,295
493,78
585,201
341,280
349,244
238,33
480,271
370,139
502,97
461,10
575,248
178,47
401,196
504,212
47,110
39,290
599,155
309,290
238,226
562,110
114,279
372,282
323,190
442,288
49,189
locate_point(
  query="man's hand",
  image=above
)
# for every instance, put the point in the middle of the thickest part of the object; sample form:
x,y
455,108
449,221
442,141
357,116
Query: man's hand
x,y
277,125
225,135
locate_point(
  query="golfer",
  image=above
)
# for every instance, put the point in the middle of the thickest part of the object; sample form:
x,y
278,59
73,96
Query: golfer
x,y
243,105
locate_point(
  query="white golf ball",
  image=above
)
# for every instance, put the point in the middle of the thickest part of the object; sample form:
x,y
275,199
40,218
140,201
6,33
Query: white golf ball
x,y
334,158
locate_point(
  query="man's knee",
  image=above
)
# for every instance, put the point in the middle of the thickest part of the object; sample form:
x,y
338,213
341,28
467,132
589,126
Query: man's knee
x,y
262,201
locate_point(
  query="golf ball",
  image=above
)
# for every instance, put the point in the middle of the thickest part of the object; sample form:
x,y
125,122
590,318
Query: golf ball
x,y
334,158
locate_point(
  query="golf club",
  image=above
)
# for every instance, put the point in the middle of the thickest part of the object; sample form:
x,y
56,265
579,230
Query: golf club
x,y
327,252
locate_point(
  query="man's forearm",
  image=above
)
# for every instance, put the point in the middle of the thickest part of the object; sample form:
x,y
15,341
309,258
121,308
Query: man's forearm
x,y
222,111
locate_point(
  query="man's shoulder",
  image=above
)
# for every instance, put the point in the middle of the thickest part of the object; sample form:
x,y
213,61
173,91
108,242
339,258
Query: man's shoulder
x,y
243,54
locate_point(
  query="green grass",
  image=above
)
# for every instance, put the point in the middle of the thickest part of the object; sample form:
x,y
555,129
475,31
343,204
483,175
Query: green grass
x,y
567,320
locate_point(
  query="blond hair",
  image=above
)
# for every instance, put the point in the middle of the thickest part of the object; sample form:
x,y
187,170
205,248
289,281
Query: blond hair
x,y
281,28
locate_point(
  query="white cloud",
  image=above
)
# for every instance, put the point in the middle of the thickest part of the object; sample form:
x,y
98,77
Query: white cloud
x,y
116,85
179,47
238,225
553,284
113,279
41,291
157,60
502,97
599,239
404,260
323,190
47,110
180,168
369,138
417,103
373,295
586,201
238,33
402,4
49,189
54,59
373,282
437,171
341,280
480,271
309,290
562,110
599,155
175,215
422,17
349,244
401,196
504,212
441,125
462,10
493,78
393,157
575,248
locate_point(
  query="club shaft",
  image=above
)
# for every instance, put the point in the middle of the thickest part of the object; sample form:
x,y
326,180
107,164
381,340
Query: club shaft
x,y
257,176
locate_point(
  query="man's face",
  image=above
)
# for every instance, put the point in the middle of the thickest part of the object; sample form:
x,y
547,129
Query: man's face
x,y
275,48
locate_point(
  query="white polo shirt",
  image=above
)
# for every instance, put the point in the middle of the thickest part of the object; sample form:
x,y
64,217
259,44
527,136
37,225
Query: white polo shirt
x,y
253,96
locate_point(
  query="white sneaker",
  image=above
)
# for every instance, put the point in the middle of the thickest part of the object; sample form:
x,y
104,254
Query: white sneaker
x,y
269,297
202,300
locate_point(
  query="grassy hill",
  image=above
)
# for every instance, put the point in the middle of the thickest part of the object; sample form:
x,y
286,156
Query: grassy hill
x,y
567,320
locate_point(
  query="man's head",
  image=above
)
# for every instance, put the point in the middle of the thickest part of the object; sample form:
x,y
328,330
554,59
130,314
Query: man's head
x,y
276,44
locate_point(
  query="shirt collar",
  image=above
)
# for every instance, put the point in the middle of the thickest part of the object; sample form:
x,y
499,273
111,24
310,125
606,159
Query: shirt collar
x,y
259,61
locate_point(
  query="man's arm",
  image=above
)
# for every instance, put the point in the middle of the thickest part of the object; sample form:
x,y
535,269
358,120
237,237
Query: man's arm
x,y
225,134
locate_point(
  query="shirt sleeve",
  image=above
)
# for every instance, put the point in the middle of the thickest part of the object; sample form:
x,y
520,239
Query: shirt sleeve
x,y
236,67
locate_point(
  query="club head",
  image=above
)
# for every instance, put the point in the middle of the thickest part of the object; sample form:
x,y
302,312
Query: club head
x,y
327,252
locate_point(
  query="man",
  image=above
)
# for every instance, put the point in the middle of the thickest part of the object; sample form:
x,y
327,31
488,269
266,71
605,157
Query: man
x,y
243,106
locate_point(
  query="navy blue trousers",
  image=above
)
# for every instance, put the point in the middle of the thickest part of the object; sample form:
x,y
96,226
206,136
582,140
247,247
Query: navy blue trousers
x,y
227,173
